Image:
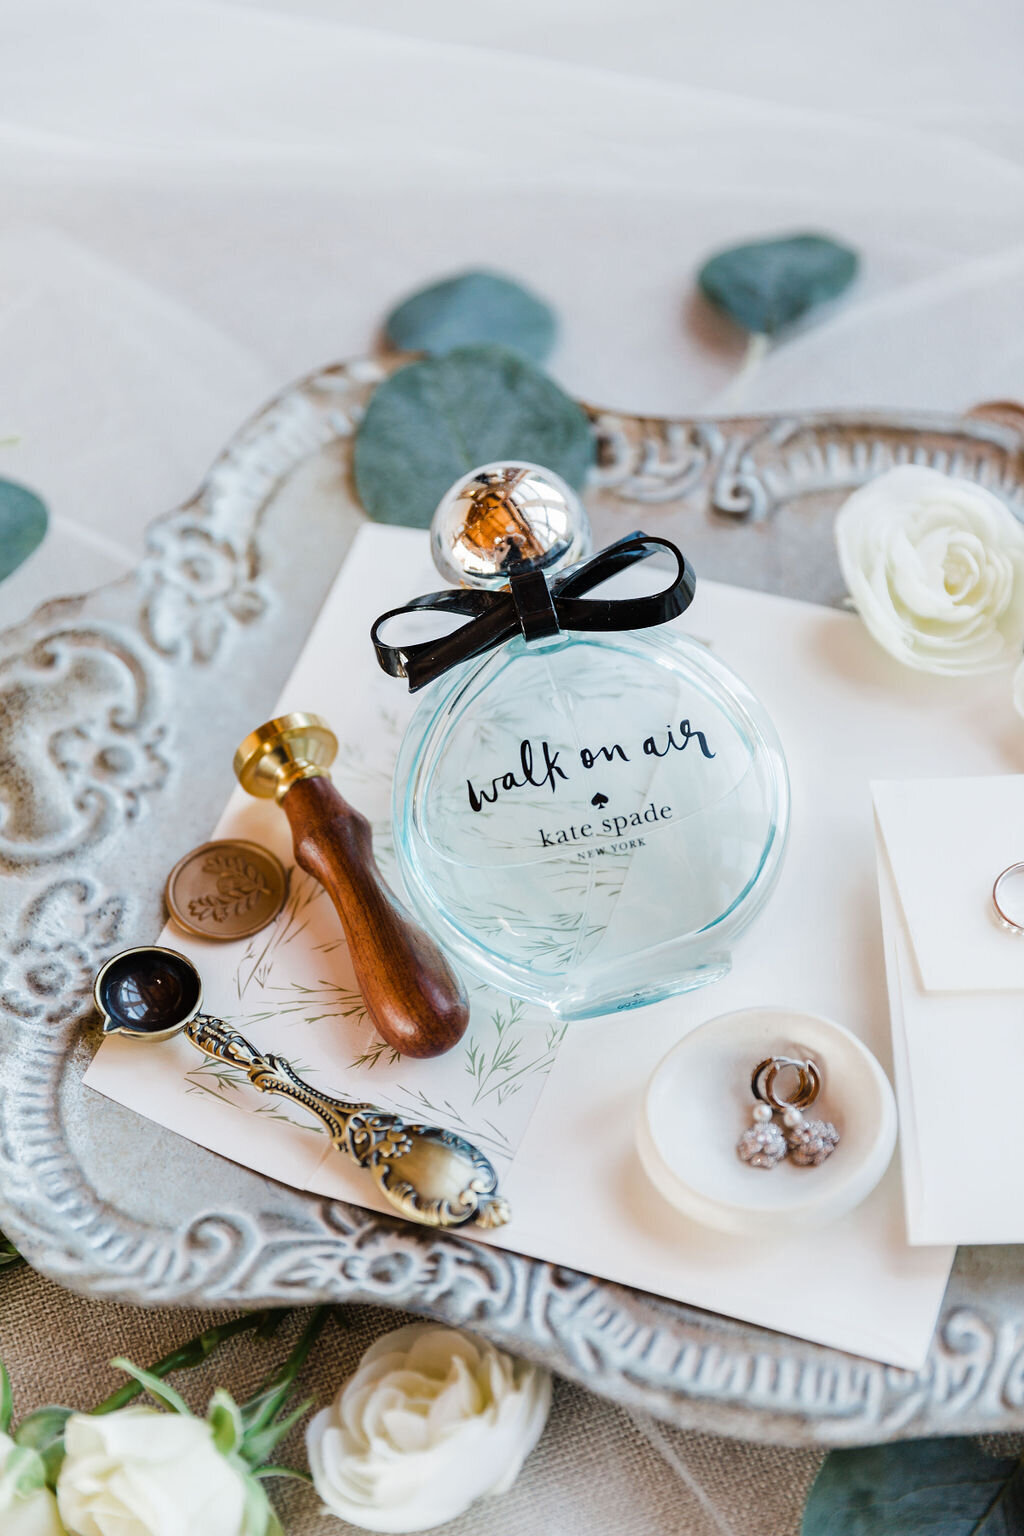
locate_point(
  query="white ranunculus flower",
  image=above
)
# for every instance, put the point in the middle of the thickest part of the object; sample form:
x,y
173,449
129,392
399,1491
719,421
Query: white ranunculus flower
x,y
432,1419
935,567
139,1472
26,1507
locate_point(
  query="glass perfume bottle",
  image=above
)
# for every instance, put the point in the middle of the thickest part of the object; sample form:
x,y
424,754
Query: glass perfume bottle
x,y
589,806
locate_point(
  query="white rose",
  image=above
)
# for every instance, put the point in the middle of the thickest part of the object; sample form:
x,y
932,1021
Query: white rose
x,y
935,567
27,1508
139,1472
432,1419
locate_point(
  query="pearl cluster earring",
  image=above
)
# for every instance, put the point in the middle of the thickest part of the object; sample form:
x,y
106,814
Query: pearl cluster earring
x,y
807,1142
763,1144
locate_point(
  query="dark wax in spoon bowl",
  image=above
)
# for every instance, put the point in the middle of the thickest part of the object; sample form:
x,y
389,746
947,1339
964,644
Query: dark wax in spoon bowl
x,y
150,992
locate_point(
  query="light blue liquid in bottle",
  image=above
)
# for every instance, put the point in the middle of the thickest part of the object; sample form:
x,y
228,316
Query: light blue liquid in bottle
x,y
585,820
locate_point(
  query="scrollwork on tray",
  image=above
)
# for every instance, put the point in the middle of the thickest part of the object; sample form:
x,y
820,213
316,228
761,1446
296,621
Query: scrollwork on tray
x,y
81,744
64,932
91,692
750,469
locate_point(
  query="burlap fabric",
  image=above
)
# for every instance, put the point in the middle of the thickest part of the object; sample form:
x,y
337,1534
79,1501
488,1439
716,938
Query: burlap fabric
x,y
598,1470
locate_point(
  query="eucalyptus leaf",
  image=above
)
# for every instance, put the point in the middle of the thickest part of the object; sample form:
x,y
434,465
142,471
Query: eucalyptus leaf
x,y
433,421
471,309
22,525
766,285
916,1488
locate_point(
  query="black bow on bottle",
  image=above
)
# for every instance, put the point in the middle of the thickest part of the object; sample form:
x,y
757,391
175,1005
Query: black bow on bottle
x,y
535,608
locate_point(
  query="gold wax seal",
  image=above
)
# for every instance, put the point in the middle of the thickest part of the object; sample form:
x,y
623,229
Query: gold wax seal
x,y
226,890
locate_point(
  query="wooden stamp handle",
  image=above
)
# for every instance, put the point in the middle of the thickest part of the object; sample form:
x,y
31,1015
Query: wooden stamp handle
x,y
413,998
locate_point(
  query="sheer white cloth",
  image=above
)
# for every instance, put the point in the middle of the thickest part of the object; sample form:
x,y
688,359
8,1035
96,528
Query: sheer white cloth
x,y
200,200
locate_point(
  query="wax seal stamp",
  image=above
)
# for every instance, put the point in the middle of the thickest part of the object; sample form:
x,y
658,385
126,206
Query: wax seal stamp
x,y
226,890
413,998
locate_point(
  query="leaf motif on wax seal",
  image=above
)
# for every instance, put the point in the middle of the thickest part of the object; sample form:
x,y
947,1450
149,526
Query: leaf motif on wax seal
x,y
433,421
471,310
239,887
931,1487
766,285
23,523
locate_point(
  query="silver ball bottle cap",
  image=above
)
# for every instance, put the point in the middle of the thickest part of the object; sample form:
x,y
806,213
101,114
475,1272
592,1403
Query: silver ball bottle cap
x,y
504,518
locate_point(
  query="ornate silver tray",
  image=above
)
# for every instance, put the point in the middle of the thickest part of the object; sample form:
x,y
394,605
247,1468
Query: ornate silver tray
x,y
108,705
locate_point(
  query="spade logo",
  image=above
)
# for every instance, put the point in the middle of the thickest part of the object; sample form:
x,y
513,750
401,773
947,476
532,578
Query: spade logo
x,y
599,800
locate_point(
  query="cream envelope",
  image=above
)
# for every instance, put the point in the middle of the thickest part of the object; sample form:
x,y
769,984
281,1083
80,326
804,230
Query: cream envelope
x,y
947,840
846,714
957,1054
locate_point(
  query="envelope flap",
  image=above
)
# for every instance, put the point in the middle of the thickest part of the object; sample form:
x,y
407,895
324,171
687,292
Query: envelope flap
x,y
947,841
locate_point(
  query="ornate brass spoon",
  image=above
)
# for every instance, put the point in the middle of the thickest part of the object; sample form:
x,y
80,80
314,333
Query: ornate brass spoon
x,y
429,1175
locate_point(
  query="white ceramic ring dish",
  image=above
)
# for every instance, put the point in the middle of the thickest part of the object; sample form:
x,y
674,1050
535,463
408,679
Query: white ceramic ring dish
x,y
699,1101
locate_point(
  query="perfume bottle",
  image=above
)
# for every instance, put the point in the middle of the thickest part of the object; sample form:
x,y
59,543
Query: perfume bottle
x,y
589,807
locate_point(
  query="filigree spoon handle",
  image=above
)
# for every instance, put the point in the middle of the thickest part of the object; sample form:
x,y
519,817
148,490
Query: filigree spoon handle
x,y
430,1175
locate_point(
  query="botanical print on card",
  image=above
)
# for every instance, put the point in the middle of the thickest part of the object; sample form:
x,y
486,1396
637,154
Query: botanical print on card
x,y
291,989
